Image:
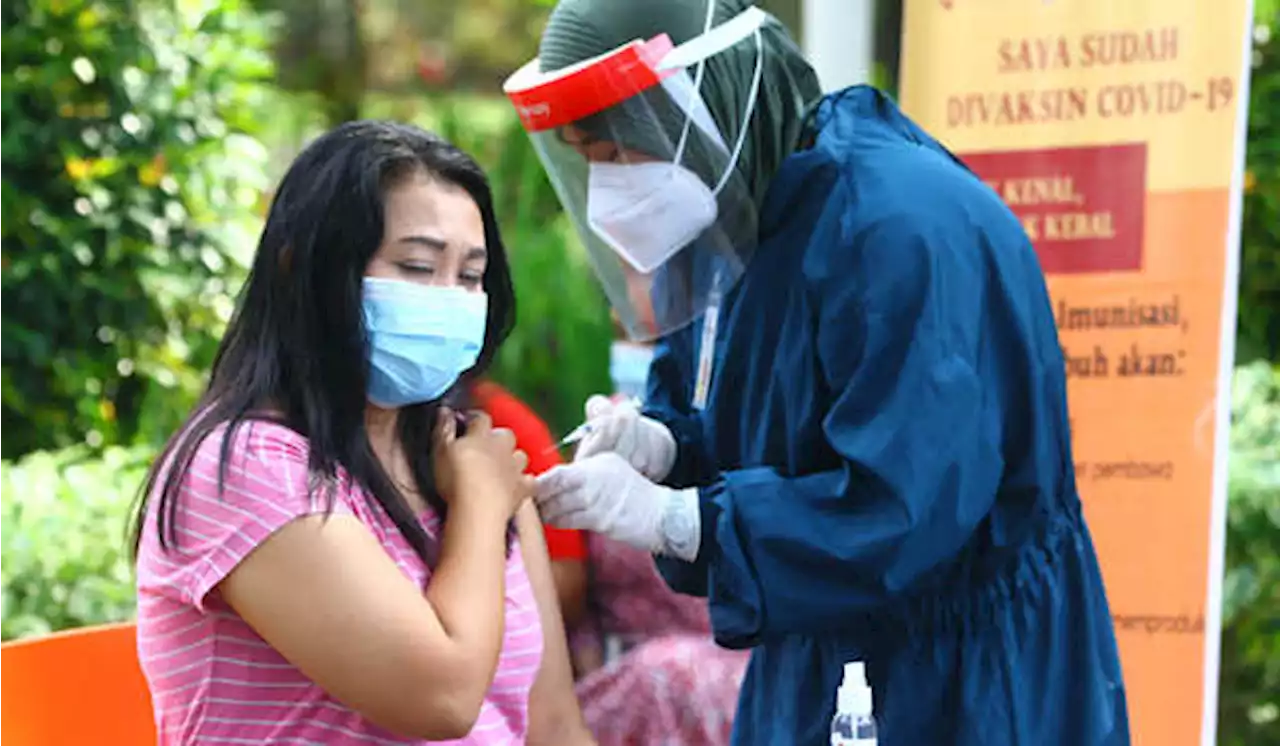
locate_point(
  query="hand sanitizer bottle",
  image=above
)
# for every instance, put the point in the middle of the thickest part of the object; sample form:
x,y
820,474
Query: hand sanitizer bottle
x,y
854,723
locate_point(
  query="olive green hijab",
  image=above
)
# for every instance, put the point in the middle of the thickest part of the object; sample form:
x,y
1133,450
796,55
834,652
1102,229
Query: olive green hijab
x,y
582,29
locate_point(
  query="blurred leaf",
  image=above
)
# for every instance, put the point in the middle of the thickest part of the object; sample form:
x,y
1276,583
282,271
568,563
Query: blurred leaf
x,y
64,520
1258,335
129,195
1250,668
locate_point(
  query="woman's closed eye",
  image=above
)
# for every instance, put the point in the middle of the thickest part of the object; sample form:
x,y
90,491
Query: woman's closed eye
x,y
467,278
417,268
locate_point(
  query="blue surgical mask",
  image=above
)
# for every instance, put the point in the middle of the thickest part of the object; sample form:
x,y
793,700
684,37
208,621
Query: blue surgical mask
x,y
421,339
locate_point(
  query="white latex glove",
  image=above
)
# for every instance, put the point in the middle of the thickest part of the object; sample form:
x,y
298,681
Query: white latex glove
x,y
619,427
605,494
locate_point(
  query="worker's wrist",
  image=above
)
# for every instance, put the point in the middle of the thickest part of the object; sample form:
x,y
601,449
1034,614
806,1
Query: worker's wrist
x,y
680,526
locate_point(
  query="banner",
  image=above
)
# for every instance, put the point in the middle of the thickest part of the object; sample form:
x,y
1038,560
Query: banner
x,y
1115,130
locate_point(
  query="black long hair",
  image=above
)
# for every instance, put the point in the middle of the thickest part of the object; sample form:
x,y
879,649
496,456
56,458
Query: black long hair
x,y
295,352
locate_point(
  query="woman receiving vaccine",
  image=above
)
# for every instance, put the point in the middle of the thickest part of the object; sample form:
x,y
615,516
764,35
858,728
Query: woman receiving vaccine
x,y
328,551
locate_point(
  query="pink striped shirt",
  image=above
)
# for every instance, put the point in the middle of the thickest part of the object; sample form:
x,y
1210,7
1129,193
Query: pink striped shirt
x,y
213,679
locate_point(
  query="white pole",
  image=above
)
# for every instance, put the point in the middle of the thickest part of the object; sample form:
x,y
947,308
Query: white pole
x,y
839,40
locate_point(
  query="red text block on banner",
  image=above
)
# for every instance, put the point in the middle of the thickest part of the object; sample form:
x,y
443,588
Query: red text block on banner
x,y
1082,207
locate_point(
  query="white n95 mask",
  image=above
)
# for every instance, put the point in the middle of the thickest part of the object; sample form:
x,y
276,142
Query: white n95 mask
x,y
647,212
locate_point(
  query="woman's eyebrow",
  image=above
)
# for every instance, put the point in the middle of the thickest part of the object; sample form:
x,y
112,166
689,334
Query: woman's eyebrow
x,y
439,244
430,242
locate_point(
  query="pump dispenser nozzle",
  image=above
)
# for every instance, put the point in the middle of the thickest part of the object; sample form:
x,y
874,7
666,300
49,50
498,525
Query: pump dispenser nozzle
x,y
854,696
854,723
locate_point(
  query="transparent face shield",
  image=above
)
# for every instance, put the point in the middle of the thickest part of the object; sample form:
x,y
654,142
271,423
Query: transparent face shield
x,y
645,174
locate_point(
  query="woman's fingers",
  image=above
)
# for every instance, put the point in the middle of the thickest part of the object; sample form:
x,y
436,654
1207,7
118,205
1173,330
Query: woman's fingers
x,y
446,427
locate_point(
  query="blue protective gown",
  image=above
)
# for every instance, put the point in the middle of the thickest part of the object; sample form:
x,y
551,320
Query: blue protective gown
x,y
884,461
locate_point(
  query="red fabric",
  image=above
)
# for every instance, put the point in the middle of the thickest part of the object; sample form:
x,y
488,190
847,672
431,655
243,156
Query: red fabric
x,y
561,98
535,439
565,544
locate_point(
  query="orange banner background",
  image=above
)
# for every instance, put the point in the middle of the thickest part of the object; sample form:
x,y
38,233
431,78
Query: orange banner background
x,y
1112,129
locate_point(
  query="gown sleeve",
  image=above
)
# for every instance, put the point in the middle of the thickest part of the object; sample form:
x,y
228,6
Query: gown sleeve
x,y
667,398
896,326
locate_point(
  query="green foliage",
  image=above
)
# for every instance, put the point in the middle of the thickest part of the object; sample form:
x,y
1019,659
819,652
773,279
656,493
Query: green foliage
x,y
130,187
1248,704
1265,9
322,50
1250,684
63,558
1259,317
344,51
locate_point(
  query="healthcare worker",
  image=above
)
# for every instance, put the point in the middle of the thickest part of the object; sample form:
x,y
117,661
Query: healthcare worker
x,y
855,442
